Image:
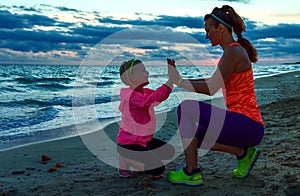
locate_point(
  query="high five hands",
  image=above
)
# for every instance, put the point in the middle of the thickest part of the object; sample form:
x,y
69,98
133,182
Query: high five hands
x,y
173,73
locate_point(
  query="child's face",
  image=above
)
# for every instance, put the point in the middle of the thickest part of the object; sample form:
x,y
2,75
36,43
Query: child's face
x,y
140,75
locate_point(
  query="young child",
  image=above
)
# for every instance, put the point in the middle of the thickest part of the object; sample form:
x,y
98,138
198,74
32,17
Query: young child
x,y
136,145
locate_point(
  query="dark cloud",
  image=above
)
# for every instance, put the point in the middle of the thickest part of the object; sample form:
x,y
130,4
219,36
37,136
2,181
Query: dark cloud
x,y
279,48
149,47
238,1
286,31
200,37
38,46
98,32
65,9
180,21
42,36
16,21
11,21
162,20
30,9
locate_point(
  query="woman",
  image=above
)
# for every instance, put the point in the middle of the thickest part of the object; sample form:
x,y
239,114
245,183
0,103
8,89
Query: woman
x,y
241,126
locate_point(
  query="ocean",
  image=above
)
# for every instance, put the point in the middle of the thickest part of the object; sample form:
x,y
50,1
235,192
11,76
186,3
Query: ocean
x,y
46,102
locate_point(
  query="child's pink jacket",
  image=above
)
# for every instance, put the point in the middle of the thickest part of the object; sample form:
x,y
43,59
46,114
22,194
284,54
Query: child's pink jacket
x,y
138,117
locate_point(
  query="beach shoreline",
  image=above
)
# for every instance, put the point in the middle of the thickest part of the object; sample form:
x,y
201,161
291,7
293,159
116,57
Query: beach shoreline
x,y
23,173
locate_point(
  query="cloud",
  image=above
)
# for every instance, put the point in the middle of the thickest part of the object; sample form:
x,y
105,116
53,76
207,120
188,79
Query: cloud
x,y
173,21
161,20
149,47
18,21
34,32
238,1
61,8
279,47
96,33
30,9
279,30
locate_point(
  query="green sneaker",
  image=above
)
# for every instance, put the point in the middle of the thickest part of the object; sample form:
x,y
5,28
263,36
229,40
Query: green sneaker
x,y
246,164
180,177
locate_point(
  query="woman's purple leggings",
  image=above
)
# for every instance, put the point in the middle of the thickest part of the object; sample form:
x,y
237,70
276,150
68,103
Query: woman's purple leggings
x,y
211,125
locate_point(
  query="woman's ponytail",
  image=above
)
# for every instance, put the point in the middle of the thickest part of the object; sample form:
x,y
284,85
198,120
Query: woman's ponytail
x,y
239,27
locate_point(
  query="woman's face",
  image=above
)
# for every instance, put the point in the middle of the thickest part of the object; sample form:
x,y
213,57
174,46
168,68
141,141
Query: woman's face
x,y
212,32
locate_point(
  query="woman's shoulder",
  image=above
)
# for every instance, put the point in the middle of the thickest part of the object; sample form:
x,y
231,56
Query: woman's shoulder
x,y
240,54
232,54
238,49
236,52
234,49
237,57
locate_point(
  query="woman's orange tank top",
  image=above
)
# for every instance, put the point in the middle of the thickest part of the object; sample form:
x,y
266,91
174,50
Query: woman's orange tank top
x,y
239,94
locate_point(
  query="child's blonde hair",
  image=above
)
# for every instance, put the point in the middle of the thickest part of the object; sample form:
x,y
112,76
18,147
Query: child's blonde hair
x,y
125,70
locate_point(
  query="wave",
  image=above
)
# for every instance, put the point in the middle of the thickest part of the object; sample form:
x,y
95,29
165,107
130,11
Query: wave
x,y
31,80
28,118
10,89
52,87
40,87
67,101
56,101
27,102
159,75
107,77
47,84
103,83
88,100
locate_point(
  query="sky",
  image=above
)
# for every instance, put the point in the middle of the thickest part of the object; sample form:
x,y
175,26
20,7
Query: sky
x,y
100,32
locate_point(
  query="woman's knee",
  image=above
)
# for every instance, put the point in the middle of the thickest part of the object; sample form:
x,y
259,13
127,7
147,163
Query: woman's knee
x,y
188,107
188,103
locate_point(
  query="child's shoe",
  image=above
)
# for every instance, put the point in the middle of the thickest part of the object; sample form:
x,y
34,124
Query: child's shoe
x,y
182,177
246,164
124,168
124,173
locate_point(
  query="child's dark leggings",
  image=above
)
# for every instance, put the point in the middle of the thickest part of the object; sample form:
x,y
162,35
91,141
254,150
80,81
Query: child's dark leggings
x,y
211,125
151,155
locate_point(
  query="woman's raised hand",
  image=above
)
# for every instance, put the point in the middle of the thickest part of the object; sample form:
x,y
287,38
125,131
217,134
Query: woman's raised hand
x,y
171,62
173,73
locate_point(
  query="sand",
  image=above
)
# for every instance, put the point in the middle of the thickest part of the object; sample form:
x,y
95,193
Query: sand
x,y
277,171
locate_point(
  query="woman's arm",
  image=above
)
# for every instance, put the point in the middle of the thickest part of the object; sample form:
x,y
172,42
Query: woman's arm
x,y
195,85
210,86
198,79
